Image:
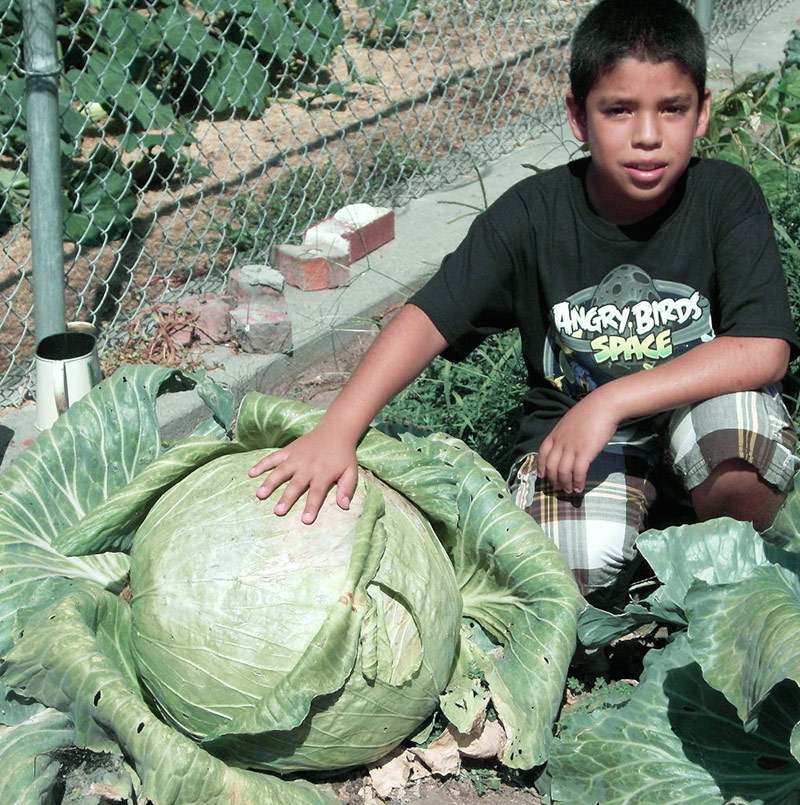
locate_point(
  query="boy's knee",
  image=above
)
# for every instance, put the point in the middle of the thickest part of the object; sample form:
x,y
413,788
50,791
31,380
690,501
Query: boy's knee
x,y
735,489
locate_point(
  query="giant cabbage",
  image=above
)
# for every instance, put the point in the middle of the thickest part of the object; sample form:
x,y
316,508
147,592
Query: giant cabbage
x,y
283,646
246,640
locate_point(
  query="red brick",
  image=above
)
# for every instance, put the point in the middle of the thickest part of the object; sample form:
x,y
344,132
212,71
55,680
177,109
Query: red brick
x,y
369,237
212,325
309,269
352,240
262,326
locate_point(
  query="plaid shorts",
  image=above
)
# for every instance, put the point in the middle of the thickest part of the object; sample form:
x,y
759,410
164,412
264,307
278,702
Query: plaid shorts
x,y
664,457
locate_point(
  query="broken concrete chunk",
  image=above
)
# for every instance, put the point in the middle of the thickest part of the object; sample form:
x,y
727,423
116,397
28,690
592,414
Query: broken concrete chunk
x,y
254,281
211,317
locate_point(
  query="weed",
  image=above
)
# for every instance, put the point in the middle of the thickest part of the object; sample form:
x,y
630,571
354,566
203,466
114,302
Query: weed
x,y
477,400
483,779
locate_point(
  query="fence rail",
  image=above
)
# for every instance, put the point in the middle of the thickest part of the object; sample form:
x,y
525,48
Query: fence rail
x,y
195,136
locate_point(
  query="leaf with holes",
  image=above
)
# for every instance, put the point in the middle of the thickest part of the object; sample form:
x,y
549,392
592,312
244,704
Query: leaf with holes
x,y
676,740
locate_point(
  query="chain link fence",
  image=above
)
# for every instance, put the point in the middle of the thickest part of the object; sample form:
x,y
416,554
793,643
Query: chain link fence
x,y
194,136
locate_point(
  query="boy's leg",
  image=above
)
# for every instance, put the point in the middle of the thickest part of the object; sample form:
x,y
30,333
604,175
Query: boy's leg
x,y
596,531
735,455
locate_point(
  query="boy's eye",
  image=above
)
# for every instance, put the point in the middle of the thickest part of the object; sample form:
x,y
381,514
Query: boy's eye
x,y
616,111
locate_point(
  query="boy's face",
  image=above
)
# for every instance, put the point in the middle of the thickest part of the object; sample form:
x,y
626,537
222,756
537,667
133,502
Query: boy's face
x,y
640,121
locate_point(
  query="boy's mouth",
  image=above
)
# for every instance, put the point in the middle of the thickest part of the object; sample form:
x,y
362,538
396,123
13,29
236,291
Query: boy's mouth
x,y
646,171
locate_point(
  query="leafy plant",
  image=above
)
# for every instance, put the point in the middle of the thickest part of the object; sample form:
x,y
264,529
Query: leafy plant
x,y
137,72
756,124
386,21
478,400
249,659
714,716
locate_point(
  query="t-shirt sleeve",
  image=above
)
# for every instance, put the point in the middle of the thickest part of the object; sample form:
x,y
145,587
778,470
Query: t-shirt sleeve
x,y
471,296
752,298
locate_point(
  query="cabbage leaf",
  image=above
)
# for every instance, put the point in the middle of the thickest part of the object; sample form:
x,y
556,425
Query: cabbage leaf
x,y
676,739
75,657
30,769
90,455
520,599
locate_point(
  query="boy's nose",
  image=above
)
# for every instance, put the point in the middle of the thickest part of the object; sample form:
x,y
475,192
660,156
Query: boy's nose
x,y
647,132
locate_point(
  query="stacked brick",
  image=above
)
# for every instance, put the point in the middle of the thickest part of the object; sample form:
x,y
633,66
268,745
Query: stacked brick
x,y
322,260
254,311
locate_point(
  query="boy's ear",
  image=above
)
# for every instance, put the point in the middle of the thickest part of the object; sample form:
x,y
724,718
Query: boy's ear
x,y
576,115
704,114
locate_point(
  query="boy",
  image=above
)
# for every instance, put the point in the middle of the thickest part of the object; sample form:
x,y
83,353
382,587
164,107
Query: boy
x,y
651,303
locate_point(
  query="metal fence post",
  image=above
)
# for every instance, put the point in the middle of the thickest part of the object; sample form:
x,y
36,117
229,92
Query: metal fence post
x,y
703,10
44,153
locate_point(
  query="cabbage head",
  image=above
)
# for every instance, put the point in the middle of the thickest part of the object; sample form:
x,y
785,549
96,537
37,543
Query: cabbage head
x,y
284,646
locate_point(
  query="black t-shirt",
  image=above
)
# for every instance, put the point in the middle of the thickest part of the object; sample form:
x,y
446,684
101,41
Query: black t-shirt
x,y
595,300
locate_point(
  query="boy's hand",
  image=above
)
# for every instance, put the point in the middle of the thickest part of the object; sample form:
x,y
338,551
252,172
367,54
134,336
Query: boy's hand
x,y
575,441
720,366
326,456
313,463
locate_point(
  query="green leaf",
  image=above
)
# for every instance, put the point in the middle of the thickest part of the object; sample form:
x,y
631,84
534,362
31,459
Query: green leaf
x,y
426,480
785,529
676,740
467,694
518,588
15,709
28,757
185,34
598,627
122,28
716,551
742,656
76,658
771,175
92,453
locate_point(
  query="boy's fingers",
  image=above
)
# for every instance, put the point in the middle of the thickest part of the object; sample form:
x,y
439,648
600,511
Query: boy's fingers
x,y
564,473
294,489
544,459
270,483
346,487
579,478
266,463
314,501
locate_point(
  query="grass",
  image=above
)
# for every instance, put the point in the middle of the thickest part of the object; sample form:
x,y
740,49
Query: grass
x,y
477,400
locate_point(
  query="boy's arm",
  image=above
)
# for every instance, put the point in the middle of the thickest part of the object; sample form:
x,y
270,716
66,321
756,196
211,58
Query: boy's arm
x,y
325,456
725,364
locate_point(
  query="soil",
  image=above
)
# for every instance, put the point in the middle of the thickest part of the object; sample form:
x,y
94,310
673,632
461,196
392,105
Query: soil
x,y
477,787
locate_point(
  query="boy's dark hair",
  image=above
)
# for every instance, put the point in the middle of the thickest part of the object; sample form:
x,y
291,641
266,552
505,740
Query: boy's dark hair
x,y
650,30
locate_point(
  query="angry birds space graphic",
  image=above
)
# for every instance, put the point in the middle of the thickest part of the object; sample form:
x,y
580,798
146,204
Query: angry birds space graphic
x,y
626,323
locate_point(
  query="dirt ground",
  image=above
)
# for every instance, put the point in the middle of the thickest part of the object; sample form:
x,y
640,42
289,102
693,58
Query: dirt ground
x,y
472,787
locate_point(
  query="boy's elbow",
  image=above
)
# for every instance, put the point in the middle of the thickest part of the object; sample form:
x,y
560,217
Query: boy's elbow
x,y
776,362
